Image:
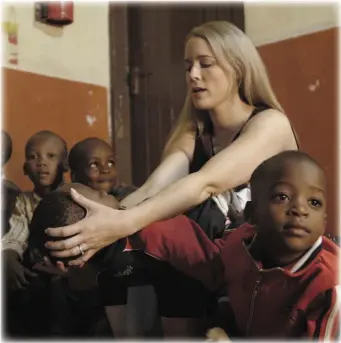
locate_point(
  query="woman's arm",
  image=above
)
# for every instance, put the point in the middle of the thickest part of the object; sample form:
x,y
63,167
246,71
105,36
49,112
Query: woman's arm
x,y
174,166
265,135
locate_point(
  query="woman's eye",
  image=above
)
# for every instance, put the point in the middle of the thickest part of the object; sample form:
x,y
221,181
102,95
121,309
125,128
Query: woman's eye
x,y
188,67
111,164
205,65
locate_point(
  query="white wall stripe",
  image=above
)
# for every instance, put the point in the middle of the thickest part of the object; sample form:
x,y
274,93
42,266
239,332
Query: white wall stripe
x,y
269,23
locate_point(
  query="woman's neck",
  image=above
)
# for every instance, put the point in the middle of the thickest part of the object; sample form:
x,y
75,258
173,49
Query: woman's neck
x,y
230,115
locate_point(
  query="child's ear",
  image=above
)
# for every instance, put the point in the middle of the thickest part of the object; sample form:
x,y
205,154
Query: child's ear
x,y
248,212
25,168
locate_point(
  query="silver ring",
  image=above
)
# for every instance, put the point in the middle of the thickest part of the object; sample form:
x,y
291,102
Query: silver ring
x,y
81,250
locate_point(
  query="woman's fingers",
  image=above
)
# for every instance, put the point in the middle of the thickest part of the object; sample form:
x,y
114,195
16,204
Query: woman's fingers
x,y
217,334
65,231
80,261
66,244
75,251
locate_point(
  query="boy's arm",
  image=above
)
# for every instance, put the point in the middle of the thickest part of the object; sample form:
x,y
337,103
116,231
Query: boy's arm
x,y
323,317
16,238
184,245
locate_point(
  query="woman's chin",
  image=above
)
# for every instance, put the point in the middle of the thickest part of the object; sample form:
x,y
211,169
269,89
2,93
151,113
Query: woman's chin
x,y
201,105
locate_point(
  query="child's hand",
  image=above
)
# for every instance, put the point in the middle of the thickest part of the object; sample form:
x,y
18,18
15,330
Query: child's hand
x,y
217,334
48,267
16,273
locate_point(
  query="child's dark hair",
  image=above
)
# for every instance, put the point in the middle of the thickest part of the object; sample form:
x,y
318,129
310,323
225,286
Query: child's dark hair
x,y
275,164
6,147
78,151
54,210
46,133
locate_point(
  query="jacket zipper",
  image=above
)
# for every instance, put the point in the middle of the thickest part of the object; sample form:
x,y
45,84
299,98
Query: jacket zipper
x,y
255,291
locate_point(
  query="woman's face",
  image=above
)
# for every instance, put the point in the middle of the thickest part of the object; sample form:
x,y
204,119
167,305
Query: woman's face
x,y
207,82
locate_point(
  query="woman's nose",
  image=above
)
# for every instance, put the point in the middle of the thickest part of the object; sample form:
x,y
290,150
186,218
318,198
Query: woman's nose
x,y
195,73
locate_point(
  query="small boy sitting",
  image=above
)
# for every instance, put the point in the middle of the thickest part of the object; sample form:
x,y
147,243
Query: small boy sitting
x,y
92,163
280,273
84,305
45,164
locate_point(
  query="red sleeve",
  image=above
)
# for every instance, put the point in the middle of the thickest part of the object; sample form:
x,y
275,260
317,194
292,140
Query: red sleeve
x,y
184,245
323,318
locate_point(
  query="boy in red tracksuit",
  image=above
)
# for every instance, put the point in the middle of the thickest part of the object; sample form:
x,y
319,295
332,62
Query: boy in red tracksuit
x,y
279,272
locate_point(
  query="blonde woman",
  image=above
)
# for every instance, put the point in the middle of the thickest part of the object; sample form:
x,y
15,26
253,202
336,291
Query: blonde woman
x,y
231,104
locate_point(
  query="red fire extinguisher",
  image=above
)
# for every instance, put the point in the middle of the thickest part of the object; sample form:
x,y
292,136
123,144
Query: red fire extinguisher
x,y
57,13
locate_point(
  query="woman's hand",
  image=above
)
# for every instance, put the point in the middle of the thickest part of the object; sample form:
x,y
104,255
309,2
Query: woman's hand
x,y
101,226
217,334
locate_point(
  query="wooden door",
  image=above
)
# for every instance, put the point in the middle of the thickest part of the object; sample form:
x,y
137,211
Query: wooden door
x,y
153,40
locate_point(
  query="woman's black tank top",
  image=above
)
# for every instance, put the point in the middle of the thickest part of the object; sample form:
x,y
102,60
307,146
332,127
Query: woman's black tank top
x,y
200,156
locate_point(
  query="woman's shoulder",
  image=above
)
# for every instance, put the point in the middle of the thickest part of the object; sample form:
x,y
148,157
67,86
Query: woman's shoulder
x,y
266,117
273,124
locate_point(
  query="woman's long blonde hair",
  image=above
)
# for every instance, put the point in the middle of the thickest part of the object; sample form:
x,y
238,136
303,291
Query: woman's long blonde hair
x,y
225,39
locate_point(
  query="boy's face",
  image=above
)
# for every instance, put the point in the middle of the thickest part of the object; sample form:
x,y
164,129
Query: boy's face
x,y
98,196
43,161
99,170
291,211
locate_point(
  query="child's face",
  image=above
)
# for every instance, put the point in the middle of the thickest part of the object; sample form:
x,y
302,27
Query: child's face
x,y
290,214
99,170
43,161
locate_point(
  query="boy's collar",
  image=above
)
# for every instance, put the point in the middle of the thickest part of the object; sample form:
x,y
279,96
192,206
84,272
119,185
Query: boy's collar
x,y
306,256
302,260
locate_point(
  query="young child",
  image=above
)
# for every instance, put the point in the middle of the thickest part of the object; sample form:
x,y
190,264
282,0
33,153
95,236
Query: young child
x,y
10,191
92,163
279,272
75,308
84,305
58,209
45,165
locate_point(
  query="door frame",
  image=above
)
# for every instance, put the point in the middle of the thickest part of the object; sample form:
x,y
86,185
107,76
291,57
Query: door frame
x,y
119,90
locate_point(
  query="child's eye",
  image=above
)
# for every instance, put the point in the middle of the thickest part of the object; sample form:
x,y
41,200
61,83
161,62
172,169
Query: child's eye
x,y
315,203
31,156
93,165
50,155
280,197
111,164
